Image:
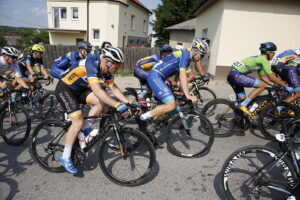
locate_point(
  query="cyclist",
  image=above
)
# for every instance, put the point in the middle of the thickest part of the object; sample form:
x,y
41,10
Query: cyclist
x,y
63,63
177,62
8,65
238,77
81,85
287,66
28,61
144,66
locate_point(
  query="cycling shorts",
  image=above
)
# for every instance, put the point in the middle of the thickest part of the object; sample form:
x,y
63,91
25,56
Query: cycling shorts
x,y
290,75
159,88
70,99
141,74
238,81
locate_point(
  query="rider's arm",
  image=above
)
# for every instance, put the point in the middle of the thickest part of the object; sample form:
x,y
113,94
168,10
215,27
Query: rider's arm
x,y
100,93
266,73
184,83
275,80
22,82
18,76
28,65
190,76
118,93
198,67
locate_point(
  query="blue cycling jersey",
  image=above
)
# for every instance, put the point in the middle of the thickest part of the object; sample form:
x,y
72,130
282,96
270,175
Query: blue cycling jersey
x,y
173,63
87,71
287,57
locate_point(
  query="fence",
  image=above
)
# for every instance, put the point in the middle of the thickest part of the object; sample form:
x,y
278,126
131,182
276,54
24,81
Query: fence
x,y
131,54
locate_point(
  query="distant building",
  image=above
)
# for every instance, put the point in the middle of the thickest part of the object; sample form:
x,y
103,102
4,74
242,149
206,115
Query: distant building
x,y
122,22
11,39
182,34
236,28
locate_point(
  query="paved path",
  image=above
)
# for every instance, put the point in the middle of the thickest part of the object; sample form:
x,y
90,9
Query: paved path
x,y
174,178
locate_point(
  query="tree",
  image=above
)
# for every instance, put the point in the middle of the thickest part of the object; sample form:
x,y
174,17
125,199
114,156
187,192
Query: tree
x,y
169,13
31,36
2,39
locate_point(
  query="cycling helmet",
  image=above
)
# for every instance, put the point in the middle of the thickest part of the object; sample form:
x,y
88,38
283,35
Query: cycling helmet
x,y
201,45
115,54
206,40
267,46
84,45
106,44
10,51
38,48
165,49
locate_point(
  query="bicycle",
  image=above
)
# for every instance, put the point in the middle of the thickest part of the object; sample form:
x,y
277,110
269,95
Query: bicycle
x,y
189,134
260,172
121,149
227,119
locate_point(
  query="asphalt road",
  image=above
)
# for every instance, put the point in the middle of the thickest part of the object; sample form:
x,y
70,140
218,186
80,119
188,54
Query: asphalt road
x,y
174,178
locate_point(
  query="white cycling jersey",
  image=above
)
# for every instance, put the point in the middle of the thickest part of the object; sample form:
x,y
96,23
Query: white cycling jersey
x,y
4,67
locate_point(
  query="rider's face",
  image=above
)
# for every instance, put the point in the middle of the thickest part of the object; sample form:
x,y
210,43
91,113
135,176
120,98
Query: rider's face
x,y
11,59
196,55
112,67
271,55
38,54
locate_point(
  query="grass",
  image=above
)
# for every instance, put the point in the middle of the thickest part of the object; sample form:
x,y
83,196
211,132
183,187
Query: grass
x,y
124,74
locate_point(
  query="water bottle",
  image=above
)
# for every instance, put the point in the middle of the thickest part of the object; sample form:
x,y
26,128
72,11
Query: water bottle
x,y
91,136
253,107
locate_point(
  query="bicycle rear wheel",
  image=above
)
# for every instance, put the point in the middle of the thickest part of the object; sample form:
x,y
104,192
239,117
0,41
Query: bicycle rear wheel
x,y
15,124
222,114
130,165
254,172
48,143
189,136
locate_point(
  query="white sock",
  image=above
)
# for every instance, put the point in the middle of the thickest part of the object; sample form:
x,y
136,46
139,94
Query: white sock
x,y
146,116
67,152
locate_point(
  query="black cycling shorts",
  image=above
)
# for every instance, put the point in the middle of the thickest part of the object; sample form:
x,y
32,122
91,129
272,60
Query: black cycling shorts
x,y
70,99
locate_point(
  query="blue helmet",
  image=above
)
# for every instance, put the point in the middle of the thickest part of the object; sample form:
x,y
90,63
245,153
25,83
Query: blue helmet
x,y
201,45
165,48
85,45
267,46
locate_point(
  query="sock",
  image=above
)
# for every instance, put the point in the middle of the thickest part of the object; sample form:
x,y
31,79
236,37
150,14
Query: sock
x,y
67,152
86,128
146,116
246,101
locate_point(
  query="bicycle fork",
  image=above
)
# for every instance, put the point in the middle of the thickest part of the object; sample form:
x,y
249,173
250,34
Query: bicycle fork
x,y
122,150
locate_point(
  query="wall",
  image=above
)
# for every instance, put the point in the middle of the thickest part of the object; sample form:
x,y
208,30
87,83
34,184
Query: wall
x,y
183,36
65,38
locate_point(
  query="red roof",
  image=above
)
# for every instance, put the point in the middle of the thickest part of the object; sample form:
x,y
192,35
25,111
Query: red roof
x,y
142,5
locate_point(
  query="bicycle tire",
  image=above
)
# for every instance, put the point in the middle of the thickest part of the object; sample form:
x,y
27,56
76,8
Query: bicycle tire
x,y
223,122
41,145
204,95
14,137
231,168
106,152
200,137
268,120
51,108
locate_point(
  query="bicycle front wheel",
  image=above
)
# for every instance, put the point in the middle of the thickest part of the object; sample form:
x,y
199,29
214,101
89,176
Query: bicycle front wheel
x,y
129,164
254,172
191,135
48,143
204,95
15,124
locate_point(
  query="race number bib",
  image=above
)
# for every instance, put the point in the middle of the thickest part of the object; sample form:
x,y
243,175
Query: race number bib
x,y
238,64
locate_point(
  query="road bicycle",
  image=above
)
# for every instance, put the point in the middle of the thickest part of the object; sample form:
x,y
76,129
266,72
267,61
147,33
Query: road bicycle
x,y
260,172
126,156
227,119
189,134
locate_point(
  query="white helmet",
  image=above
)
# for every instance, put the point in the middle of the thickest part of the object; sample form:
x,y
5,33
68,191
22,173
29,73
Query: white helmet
x,y
115,54
10,51
201,45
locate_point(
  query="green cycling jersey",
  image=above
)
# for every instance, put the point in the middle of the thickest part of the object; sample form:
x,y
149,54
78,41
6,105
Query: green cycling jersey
x,y
252,64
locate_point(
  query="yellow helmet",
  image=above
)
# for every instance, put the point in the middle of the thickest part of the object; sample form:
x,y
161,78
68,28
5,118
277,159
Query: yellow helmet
x,y
38,48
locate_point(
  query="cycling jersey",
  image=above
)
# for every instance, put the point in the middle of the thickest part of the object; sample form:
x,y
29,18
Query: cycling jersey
x,y
63,63
252,64
87,71
24,59
143,67
4,67
288,57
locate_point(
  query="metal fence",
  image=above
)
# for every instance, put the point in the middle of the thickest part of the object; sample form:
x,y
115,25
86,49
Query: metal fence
x,y
131,54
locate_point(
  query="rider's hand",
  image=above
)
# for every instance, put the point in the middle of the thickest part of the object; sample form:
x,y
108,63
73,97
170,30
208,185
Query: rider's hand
x,y
4,88
275,86
122,108
289,89
204,78
192,98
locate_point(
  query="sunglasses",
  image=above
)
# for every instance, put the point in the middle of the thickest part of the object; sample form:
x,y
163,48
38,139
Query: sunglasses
x,y
14,57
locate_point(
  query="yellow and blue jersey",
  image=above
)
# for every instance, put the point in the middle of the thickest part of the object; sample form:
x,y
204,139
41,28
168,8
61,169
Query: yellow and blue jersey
x,y
148,62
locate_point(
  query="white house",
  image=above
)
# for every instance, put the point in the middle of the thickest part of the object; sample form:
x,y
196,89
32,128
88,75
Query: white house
x,y
237,27
122,22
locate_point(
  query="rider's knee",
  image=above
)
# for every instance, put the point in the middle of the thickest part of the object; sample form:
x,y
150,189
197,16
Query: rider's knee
x,y
261,85
171,105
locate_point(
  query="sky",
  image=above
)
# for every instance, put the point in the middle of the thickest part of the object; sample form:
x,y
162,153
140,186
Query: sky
x,y
33,13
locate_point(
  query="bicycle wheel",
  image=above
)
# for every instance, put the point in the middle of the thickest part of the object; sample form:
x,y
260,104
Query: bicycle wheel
x,y
15,124
204,95
133,164
50,107
270,120
222,115
189,136
48,143
254,172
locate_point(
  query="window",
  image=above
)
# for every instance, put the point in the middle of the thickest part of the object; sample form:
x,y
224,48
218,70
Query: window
x,y
96,34
204,33
75,13
145,26
63,13
179,43
78,40
132,22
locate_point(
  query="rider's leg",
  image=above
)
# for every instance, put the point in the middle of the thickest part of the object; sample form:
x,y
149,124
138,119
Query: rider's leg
x,y
293,80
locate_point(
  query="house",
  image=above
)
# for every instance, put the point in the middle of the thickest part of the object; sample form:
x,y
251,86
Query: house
x,y
122,22
236,28
11,39
182,34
